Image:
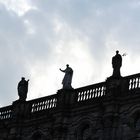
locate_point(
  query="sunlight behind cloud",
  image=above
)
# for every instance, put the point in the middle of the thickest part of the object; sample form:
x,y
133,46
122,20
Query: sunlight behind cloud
x,y
20,7
46,78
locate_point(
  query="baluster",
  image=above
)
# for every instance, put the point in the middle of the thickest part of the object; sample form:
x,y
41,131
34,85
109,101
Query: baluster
x,y
130,84
82,94
33,107
42,108
1,115
102,91
138,82
37,107
134,83
90,94
96,91
46,104
87,95
51,103
6,114
79,96
55,102
93,96
41,105
83,97
99,91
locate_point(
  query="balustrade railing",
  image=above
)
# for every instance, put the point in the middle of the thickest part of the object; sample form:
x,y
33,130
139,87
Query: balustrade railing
x,y
5,112
90,92
43,103
82,94
133,81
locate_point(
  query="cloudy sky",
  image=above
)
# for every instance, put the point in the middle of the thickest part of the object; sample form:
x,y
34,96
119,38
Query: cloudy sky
x,y
37,37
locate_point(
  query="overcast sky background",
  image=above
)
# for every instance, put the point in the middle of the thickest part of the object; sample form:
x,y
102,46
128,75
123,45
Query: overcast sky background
x,y
37,37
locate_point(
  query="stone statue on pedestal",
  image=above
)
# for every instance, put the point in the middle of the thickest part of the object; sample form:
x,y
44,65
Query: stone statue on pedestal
x,y
23,89
67,80
116,64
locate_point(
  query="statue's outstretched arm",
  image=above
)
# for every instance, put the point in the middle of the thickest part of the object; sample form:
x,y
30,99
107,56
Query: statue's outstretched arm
x,y
62,70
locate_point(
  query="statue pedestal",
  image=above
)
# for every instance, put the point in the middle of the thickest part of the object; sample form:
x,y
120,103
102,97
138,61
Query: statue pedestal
x,y
116,86
21,109
66,97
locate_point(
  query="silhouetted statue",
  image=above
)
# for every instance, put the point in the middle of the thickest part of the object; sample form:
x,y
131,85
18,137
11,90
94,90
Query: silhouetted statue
x,y
23,89
67,78
116,64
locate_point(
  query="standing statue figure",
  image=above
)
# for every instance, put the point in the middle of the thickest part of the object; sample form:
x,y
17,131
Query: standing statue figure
x,y
67,78
116,64
23,89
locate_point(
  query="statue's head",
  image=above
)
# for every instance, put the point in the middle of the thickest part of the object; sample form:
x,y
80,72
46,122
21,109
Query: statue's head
x,y
117,52
22,78
67,65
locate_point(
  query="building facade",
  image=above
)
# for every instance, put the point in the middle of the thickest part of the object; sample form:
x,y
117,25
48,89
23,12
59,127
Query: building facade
x,y
104,111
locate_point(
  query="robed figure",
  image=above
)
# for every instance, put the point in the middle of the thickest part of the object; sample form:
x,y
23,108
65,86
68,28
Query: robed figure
x,y
67,80
116,64
23,89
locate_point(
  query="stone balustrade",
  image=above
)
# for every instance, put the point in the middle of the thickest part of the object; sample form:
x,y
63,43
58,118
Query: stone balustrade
x,y
43,103
92,91
6,112
81,94
134,81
